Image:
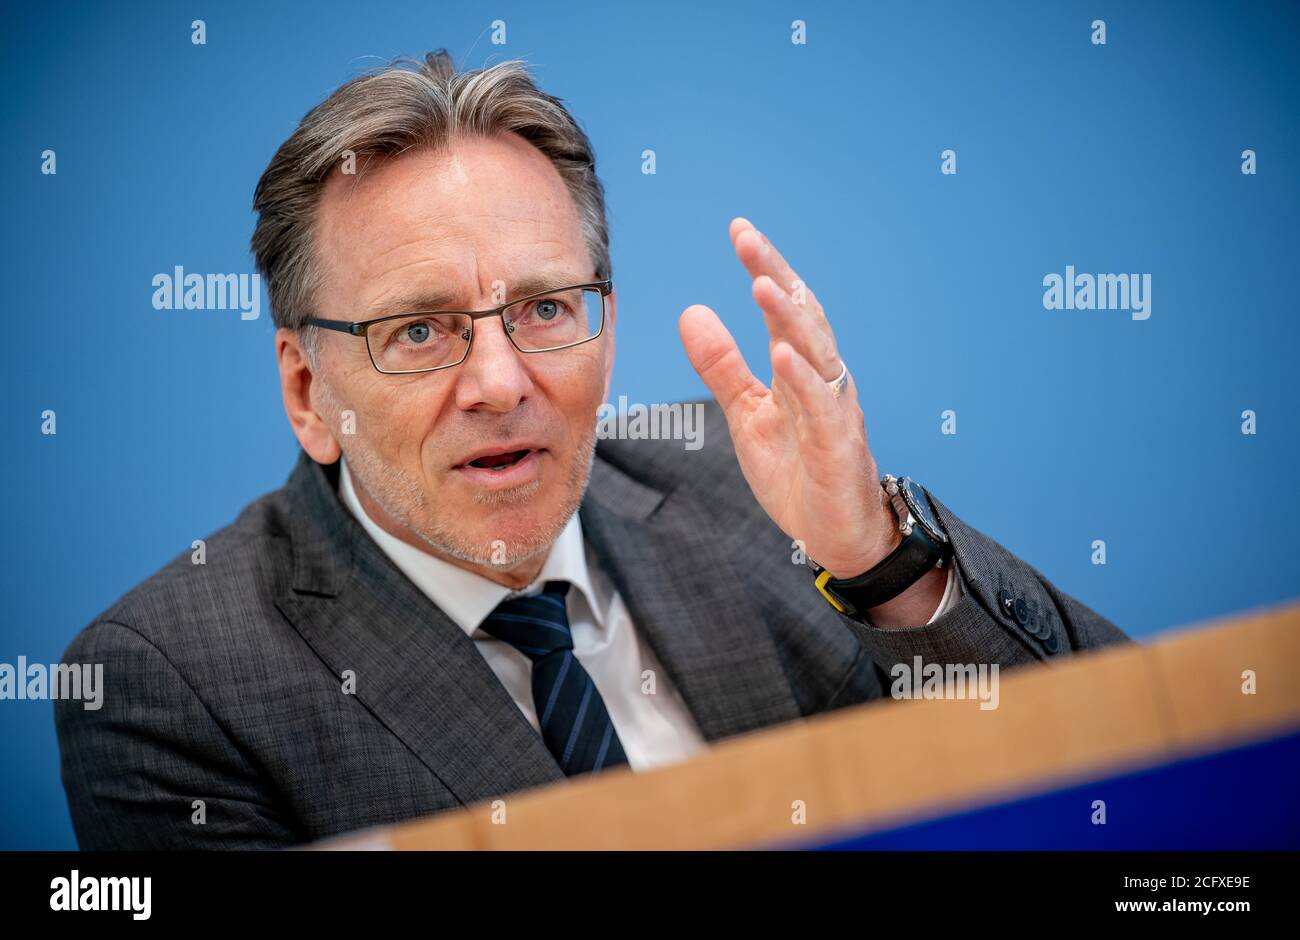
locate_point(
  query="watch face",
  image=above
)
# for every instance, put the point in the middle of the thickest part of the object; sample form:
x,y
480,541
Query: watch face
x,y
920,506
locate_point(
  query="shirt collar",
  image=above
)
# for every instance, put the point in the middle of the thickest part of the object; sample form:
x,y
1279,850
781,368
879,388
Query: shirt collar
x,y
467,598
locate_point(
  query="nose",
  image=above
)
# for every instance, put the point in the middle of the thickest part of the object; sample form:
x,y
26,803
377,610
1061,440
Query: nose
x,y
494,376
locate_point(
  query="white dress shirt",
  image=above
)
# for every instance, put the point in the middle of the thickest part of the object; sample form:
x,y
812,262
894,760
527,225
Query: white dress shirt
x,y
655,729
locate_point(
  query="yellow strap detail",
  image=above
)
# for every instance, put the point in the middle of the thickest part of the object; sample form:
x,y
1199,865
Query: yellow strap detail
x,y
821,586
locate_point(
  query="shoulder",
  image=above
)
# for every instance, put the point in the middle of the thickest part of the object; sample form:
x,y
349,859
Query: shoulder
x,y
211,599
683,448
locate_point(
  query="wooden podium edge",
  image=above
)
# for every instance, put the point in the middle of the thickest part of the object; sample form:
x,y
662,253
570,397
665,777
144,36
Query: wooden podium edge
x,y
886,763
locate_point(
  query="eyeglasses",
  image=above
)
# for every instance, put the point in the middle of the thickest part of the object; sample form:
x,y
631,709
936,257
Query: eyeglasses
x,y
440,339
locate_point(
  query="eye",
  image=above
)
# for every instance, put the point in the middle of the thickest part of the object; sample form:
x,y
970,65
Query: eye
x,y
547,309
416,332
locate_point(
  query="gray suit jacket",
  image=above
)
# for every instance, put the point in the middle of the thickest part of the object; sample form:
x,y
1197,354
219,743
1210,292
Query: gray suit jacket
x,y
222,681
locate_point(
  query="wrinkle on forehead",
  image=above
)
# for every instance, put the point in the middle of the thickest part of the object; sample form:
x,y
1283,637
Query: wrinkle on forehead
x,y
496,235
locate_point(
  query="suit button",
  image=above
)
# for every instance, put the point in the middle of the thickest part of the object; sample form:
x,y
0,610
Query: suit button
x,y
1050,644
1021,611
1005,602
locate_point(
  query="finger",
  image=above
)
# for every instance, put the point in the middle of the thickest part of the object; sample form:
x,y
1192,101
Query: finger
x,y
759,256
714,355
787,321
825,424
738,225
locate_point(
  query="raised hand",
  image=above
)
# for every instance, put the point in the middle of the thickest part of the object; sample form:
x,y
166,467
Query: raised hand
x,y
802,448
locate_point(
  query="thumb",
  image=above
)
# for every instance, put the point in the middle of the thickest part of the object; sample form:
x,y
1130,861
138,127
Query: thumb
x,y
714,355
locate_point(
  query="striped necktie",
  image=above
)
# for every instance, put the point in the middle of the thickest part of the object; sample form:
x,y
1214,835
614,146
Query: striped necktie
x,y
574,723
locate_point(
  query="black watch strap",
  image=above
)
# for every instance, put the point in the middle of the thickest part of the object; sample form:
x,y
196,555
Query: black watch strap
x,y
898,571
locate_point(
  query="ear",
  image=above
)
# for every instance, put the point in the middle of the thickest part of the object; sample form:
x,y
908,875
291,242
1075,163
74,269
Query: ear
x,y
296,377
611,315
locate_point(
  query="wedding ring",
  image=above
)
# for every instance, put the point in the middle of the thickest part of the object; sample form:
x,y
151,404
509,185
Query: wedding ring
x,y
838,383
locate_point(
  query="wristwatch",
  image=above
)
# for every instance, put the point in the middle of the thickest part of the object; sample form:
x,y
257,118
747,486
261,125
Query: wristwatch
x,y
925,546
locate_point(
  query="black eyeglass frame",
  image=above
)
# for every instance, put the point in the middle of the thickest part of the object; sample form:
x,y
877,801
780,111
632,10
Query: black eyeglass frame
x,y
360,327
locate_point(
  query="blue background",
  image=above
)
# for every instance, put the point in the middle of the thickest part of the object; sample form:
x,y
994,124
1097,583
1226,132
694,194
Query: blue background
x,y
1072,425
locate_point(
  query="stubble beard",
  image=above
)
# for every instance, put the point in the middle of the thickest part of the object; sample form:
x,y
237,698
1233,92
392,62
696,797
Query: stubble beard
x,y
404,498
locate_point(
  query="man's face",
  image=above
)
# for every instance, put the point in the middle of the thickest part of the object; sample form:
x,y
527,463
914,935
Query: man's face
x,y
465,221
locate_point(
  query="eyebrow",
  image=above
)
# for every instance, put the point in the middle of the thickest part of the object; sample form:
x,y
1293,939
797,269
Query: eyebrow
x,y
431,298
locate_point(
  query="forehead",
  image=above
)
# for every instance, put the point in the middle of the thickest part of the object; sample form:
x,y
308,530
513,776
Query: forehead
x,y
455,219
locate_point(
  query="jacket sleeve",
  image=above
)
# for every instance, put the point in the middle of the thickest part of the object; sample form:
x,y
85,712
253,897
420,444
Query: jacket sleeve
x,y
134,768
1008,614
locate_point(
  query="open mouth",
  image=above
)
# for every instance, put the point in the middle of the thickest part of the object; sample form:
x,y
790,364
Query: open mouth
x,y
499,461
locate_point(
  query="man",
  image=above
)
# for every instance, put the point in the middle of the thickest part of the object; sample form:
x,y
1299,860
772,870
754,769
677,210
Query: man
x,y
459,594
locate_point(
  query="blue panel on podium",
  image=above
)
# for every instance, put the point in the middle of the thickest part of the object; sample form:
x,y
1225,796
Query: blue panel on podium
x,y
1241,799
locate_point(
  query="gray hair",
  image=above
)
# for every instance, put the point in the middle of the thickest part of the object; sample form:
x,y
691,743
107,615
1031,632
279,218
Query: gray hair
x,y
400,106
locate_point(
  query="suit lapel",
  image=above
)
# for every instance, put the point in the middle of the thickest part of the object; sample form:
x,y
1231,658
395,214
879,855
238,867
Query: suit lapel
x,y
421,677
416,670
685,595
